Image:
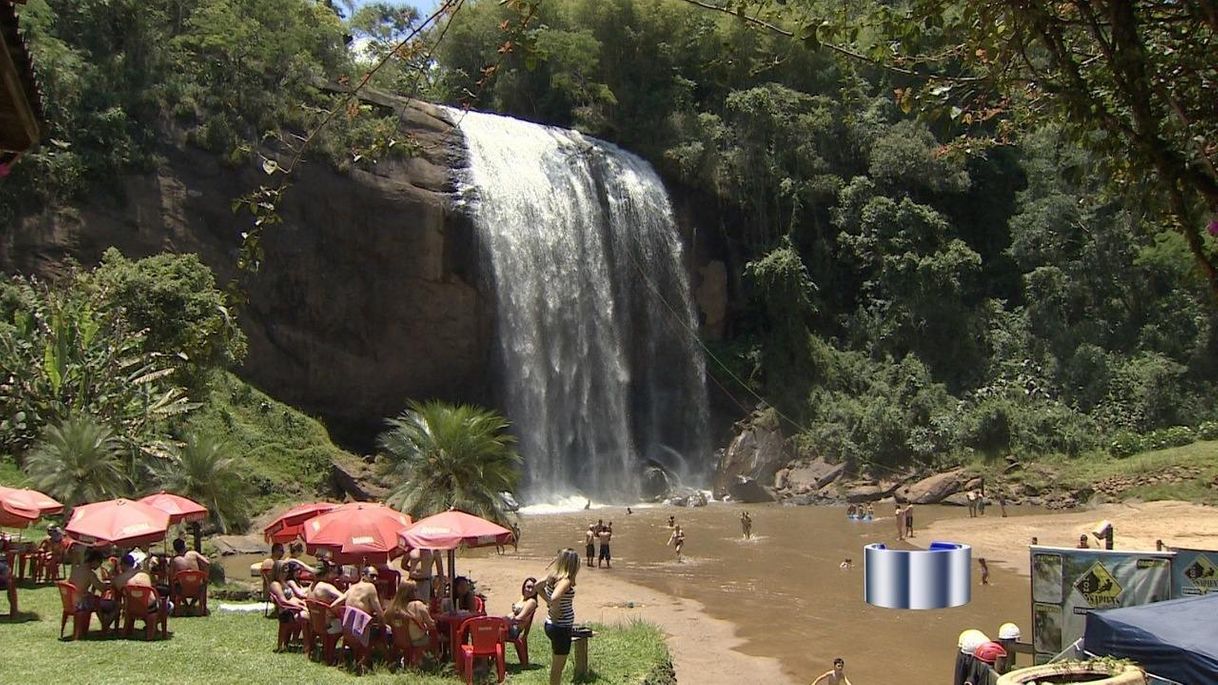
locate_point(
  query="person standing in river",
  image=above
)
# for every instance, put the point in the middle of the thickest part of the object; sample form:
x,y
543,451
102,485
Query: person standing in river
x,y
605,536
899,515
590,544
677,540
746,525
909,528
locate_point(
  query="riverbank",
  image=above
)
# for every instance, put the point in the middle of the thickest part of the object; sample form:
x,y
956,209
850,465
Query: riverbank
x,y
1004,541
703,648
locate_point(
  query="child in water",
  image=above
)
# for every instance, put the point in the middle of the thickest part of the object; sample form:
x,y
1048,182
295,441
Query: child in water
x,y
985,571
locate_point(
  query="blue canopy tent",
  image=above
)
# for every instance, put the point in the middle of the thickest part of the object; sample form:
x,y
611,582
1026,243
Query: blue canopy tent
x,y
1177,639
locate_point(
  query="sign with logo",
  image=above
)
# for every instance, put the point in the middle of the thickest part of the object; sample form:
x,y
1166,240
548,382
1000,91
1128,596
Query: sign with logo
x,y
1067,584
1098,587
1194,572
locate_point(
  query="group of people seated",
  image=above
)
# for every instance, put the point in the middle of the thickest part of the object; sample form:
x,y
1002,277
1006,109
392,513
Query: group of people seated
x,y
99,583
414,610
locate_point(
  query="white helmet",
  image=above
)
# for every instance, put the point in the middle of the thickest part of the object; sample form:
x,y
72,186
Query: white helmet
x,y
1009,631
970,640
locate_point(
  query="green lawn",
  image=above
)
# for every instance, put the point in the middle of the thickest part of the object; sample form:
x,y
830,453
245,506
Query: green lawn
x,y
239,648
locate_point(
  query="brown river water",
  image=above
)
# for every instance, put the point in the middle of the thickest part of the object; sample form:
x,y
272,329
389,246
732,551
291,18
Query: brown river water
x,y
784,589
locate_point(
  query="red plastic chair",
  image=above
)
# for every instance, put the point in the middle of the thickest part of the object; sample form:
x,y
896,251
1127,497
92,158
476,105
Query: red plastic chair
x,y
361,654
387,584
289,629
144,604
485,640
318,635
403,650
80,617
190,586
522,639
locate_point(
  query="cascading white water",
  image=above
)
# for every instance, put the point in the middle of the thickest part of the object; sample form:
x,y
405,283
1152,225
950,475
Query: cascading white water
x,y
598,366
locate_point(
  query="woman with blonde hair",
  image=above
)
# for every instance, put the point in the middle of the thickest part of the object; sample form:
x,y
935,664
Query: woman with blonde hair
x,y
559,593
409,614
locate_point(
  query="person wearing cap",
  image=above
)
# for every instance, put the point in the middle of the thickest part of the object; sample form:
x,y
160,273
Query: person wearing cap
x,y
1008,635
835,677
984,656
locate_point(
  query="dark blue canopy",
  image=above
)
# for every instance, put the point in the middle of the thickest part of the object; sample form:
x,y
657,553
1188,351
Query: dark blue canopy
x,y
1177,639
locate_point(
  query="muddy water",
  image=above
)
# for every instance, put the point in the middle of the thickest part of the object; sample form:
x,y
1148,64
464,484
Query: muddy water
x,y
784,589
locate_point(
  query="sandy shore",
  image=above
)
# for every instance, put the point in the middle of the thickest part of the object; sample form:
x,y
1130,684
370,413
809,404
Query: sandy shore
x,y
701,646
1004,541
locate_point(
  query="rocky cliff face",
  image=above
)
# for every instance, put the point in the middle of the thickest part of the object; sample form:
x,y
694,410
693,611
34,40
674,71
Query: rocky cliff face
x,y
368,295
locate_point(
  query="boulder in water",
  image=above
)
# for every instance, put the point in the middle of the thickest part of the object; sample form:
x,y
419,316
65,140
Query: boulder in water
x,y
655,483
749,491
509,502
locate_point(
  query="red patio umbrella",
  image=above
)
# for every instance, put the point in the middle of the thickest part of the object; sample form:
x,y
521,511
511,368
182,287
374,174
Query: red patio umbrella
x,y
30,499
19,508
290,524
453,529
121,522
179,508
12,516
357,533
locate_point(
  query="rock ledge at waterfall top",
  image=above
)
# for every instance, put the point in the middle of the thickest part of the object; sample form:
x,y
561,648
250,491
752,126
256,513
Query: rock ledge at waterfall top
x,y
368,295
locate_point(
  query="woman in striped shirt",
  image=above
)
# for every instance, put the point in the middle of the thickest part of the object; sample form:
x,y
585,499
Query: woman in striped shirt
x,y
559,593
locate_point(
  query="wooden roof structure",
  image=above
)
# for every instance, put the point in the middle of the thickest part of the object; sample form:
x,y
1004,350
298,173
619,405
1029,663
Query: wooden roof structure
x,y
21,116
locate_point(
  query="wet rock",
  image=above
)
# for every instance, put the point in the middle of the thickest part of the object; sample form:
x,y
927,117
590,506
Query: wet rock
x,y
864,493
509,502
932,489
698,500
749,491
655,484
958,499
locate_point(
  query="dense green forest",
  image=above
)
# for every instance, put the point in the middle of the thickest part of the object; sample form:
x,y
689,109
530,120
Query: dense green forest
x,y
918,277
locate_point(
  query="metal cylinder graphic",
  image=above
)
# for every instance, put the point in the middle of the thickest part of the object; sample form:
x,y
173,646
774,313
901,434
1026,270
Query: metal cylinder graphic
x,y
934,578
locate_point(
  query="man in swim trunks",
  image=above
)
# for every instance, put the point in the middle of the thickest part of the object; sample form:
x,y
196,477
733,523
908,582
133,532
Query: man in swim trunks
x,y
362,595
590,545
605,536
909,529
835,677
419,565
89,587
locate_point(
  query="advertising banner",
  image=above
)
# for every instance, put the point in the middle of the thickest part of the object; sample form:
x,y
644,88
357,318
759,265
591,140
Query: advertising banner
x,y
1194,572
1069,583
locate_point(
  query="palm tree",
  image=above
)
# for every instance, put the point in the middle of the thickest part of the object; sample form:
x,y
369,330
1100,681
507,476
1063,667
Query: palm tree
x,y
445,456
203,470
78,461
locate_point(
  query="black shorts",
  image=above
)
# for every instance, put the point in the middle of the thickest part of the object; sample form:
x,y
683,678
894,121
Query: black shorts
x,y
589,551
560,638
605,552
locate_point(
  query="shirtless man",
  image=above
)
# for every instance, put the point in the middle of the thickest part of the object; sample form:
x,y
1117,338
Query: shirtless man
x,y
605,536
89,589
835,677
362,595
131,574
324,591
590,545
746,524
420,565
187,560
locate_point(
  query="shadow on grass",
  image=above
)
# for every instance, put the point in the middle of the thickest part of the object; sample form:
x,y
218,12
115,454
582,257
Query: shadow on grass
x,y
20,617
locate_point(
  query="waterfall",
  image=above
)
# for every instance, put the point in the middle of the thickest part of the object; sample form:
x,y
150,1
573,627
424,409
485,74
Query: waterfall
x,y
598,368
